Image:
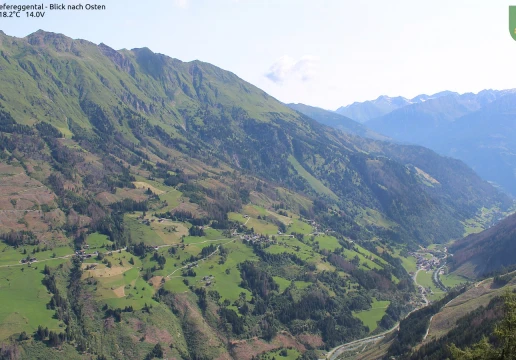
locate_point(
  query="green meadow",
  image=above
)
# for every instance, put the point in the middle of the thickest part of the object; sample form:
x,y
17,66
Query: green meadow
x,y
225,278
424,278
452,280
96,241
24,299
284,283
371,317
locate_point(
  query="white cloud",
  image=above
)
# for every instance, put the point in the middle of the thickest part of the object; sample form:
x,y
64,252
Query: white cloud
x,y
181,3
286,68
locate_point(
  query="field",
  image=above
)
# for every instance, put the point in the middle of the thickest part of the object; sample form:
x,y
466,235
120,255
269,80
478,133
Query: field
x,y
97,240
119,285
480,221
327,242
260,226
409,263
292,246
424,278
224,278
172,197
157,233
24,299
370,317
140,232
11,256
300,227
147,186
291,354
452,280
284,283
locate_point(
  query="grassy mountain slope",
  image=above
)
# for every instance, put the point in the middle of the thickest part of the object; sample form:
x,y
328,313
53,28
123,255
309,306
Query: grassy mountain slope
x,y
226,224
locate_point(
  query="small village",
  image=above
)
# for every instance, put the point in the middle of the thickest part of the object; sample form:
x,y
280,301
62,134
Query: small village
x,y
430,261
424,263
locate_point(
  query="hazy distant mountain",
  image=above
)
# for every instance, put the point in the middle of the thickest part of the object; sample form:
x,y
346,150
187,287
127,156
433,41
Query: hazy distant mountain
x,y
476,128
337,121
367,110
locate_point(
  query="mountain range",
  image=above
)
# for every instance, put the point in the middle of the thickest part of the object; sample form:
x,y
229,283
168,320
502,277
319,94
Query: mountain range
x,y
157,208
371,109
475,128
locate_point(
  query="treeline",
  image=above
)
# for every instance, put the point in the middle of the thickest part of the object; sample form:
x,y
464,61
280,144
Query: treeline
x,y
19,238
67,309
116,314
128,205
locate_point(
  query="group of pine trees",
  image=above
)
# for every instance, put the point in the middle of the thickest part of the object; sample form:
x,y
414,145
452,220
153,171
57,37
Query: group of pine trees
x,y
505,333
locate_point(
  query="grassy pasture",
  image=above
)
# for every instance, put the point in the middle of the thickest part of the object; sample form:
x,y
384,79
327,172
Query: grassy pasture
x,y
285,283
24,299
121,285
327,242
299,227
96,241
452,280
370,317
291,246
12,256
292,354
424,278
145,185
141,232
226,277
260,226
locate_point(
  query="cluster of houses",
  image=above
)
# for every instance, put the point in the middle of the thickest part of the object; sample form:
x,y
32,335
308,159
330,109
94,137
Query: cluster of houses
x,y
28,260
257,239
82,254
423,263
314,224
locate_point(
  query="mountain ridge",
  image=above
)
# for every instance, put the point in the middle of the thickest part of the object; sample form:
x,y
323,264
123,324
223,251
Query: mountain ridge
x,y
370,109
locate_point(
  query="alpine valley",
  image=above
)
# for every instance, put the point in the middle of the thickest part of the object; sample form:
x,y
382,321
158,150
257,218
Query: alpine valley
x,y
152,208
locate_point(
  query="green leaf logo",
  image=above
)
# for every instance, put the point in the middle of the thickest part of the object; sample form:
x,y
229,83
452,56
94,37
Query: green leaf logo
x,y
512,21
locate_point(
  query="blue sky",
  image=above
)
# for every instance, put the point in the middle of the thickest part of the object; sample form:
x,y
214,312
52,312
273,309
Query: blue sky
x,y
326,53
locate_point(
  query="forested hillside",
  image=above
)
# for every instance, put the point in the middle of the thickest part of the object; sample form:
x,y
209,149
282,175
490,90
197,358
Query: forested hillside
x,y
488,251
155,208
